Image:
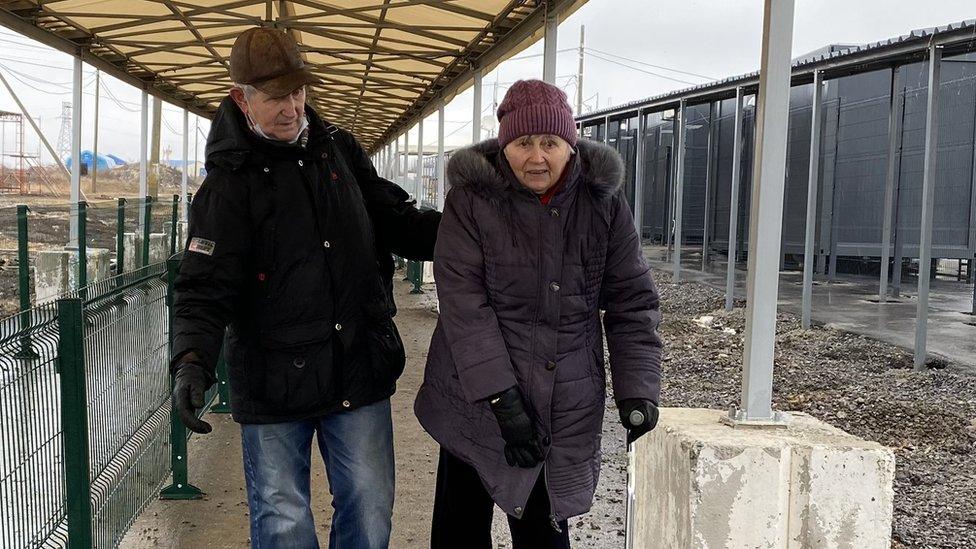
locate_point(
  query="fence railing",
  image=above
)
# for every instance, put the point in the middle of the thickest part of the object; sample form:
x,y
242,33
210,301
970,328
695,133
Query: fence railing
x,y
87,434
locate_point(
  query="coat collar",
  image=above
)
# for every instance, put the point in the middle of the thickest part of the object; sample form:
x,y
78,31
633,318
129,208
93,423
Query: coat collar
x,y
601,169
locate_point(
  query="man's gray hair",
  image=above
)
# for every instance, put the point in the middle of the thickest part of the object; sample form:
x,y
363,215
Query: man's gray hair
x,y
248,89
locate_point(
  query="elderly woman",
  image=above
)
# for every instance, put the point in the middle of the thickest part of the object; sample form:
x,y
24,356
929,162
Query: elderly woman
x,y
536,239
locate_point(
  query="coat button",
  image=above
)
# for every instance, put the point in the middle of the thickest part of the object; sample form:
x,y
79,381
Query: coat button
x,y
518,510
338,327
299,363
546,441
267,170
326,244
554,212
554,286
550,365
346,404
300,163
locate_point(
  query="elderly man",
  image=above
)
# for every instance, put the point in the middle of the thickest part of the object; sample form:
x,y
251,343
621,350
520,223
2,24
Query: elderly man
x,y
288,264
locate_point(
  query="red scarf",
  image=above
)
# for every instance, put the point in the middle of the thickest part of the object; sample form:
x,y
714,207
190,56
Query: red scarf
x,y
547,196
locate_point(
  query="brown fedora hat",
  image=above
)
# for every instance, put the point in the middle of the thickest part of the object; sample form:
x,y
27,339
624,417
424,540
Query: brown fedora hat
x,y
268,59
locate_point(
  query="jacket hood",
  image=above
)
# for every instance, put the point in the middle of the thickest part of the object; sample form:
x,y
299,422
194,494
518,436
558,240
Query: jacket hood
x,y
231,140
601,169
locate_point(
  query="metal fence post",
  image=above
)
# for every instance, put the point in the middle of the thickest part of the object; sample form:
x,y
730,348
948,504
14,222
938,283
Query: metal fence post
x,y
146,230
74,419
120,239
223,390
174,219
82,245
23,286
416,275
180,489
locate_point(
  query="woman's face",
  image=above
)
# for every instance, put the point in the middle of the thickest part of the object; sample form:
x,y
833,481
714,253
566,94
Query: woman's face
x,y
538,160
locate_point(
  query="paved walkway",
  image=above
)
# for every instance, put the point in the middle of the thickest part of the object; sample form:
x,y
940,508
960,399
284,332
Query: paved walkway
x,y
845,304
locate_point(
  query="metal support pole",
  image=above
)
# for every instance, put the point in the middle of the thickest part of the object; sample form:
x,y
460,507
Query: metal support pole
x,y
766,216
184,182
441,183
143,159
928,205
174,223
146,228
23,271
120,238
75,151
894,146
94,166
813,182
639,177
406,159
549,46
395,166
679,186
82,208
419,184
709,180
74,421
476,108
734,199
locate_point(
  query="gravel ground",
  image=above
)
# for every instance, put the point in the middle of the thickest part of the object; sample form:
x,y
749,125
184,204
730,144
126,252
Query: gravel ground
x,y
860,385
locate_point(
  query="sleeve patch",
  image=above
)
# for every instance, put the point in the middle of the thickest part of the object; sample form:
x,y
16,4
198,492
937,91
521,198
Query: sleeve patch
x,y
202,246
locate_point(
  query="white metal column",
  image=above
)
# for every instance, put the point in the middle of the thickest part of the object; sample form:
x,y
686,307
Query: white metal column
x,y
549,47
679,186
734,199
894,141
766,215
928,205
420,161
476,108
75,152
396,160
441,183
813,182
186,165
406,160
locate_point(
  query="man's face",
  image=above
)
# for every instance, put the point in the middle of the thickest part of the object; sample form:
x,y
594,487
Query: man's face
x,y
279,117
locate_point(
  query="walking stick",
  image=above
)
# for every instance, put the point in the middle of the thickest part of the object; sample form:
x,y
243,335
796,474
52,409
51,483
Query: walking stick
x,y
636,418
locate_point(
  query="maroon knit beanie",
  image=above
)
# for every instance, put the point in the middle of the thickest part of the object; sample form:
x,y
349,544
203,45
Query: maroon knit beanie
x,y
533,107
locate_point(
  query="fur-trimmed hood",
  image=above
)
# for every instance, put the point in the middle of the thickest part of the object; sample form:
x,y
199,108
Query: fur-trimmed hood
x,y
601,169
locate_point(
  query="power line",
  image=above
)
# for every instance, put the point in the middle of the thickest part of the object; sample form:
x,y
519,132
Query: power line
x,y
648,64
641,70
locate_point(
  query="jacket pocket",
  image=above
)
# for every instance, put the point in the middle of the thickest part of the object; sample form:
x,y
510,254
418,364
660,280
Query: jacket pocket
x,y
296,371
382,351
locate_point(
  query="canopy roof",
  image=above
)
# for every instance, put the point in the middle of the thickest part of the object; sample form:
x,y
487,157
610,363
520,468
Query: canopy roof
x,y
381,63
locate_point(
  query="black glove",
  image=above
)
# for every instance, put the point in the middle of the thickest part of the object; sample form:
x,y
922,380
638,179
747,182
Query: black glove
x,y
188,388
638,415
521,447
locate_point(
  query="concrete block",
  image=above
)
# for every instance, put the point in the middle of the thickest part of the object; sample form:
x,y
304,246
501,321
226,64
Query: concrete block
x,y
700,483
56,271
428,272
158,249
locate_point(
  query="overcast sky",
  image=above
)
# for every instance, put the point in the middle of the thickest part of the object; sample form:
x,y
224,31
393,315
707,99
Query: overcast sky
x,y
636,49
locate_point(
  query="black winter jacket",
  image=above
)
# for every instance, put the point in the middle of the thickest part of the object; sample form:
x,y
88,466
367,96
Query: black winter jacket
x,y
289,249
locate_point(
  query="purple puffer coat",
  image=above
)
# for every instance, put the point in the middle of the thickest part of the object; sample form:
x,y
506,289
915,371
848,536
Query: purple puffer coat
x,y
521,286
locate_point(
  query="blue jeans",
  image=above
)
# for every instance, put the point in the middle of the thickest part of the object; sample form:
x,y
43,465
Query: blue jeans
x,y
357,447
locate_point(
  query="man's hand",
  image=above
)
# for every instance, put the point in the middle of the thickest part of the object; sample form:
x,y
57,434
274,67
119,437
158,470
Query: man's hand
x,y
521,446
190,384
639,417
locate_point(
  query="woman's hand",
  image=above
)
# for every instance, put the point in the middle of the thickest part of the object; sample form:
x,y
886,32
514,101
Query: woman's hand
x,y
521,445
639,417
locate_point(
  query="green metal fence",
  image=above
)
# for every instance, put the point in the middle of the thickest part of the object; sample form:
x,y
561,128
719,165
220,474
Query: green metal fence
x,y
87,434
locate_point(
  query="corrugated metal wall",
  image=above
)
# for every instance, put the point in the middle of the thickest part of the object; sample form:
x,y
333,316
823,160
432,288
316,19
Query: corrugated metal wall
x,y
854,156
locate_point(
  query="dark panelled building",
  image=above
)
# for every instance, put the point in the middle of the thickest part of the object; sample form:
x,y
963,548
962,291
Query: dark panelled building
x,y
859,83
